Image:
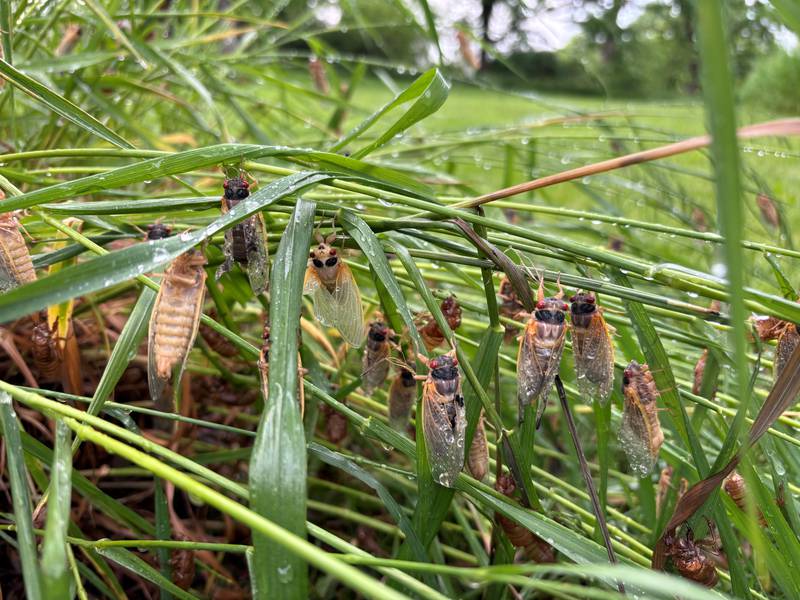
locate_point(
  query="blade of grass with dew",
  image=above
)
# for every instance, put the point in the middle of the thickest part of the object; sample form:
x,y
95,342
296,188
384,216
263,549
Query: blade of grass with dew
x,y
789,12
54,568
20,498
279,451
128,560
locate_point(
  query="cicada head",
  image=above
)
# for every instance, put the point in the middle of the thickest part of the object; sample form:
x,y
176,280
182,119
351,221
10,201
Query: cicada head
x,y
378,332
158,231
551,311
325,260
584,306
236,190
444,372
638,378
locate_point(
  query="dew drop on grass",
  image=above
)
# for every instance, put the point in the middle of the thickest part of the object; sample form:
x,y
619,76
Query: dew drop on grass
x,y
285,574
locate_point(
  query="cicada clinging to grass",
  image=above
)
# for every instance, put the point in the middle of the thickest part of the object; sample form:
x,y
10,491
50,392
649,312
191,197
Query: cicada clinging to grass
x,y
592,347
640,434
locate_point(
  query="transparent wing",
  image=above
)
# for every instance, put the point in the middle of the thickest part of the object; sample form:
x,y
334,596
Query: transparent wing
x,y
634,436
529,375
227,250
311,283
443,425
349,315
255,235
594,359
548,360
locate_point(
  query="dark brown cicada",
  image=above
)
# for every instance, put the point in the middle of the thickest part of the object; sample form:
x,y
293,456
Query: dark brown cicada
x,y
16,267
47,354
690,561
246,242
402,396
375,364
432,336
443,419
592,347
536,549
510,307
640,435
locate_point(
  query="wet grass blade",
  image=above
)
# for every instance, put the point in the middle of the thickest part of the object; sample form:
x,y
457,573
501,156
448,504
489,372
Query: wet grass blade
x,y
20,498
128,560
279,451
55,572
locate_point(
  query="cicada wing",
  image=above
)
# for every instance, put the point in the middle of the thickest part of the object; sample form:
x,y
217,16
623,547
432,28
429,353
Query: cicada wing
x,y
443,425
401,400
634,436
594,359
548,360
529,376
8,277
311,281
255,236
227,250
787,342
349,314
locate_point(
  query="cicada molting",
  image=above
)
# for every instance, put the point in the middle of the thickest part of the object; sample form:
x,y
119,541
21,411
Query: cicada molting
x,y
640,435
478,456
443,419
402,396
16,267
375,366
429,330
47,355
736,488
592,347
337,301
787,342
690,561
510,307
536,549
245,243
540,350
174,323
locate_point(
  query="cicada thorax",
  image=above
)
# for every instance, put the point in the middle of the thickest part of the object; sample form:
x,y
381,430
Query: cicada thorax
x,y
47,355
443,419
402,396
592,347
640,435
236,190
375,364
735,486
536,549
690,561
539,356
510,307
16,266
174,321
787,343
429,330
478,456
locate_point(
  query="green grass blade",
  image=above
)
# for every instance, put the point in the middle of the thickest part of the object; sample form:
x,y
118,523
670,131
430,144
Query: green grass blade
x,y
127,559
279,451
20,498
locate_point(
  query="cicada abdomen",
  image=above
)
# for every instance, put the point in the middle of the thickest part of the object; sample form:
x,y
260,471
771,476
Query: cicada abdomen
x,y
510,307
47,355
429,330
540,350
640,435
592,347
478,456
337,301
735,486
536,549
246,242
16,266
690,561
443,419
402,396
787,343
375,365
174,323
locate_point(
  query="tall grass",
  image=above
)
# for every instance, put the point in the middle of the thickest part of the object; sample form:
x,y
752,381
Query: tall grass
x,y
135,123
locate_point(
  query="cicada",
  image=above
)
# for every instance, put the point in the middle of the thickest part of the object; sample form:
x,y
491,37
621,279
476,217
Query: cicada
x,y
592,347
174,323
47,353
787,342
690,561
536,549
478,456
443,419
158,231
540,348
16,267
375,366
640,435
337,301
402,396
429,330
510,307
735,486
263,369
246,242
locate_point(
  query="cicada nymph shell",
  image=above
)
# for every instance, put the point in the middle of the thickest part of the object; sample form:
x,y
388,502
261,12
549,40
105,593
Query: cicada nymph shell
x,y
174,323
246,242
402,396
337,301
690,561
536,549
510,307
47,355
478,456
540,348
787,342
16,267
592,347
640,435
735,486
375,365
432,336
263,370
662,490
443,419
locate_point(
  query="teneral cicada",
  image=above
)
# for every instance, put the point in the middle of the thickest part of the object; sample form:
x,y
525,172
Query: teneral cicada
x,y
510,307
540,349
478,455
432,336
640,435
16,267
337,301
174,322
536,549
592,347
246,242
402,396
690,561
443,419
375,366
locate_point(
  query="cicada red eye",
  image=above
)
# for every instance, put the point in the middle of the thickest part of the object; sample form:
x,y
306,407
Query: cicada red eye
x,y
590,299
333,252
311,254
225,184
564,306
573,298
245,185
455,361
541,304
